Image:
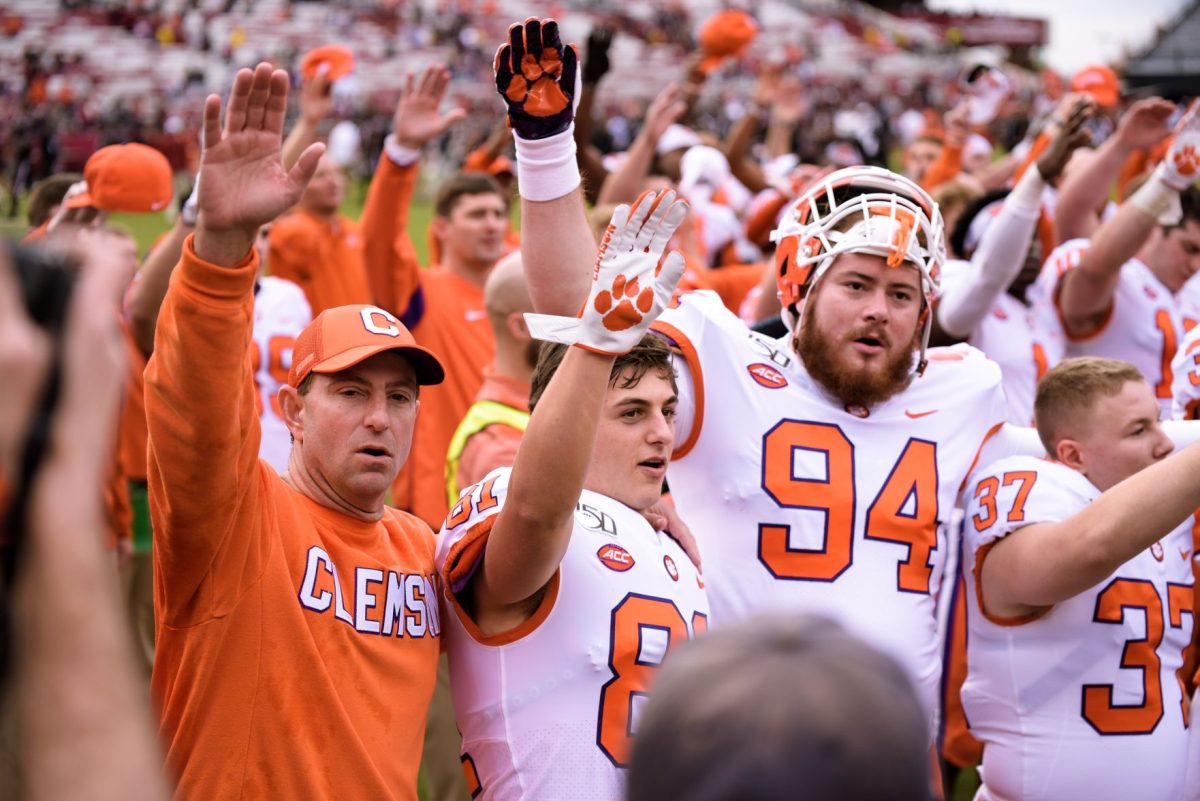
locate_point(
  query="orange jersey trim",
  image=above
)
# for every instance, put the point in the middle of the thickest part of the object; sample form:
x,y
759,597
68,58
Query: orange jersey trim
x,y
467,554
993,431
688,351
1006,622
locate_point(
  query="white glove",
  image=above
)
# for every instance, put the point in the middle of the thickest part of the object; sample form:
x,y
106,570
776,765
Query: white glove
x,y
1181,167
631,284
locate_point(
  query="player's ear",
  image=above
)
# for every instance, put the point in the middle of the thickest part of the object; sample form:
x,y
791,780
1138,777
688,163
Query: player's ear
x,y
515,323
438,226
291,404
1070,454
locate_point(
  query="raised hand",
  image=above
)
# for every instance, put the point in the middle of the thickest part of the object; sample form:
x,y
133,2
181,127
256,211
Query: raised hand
x,y
595,56
538,77
244,182
664,110
417,119
1144,125
1069,137
632,282
316,97
1181,167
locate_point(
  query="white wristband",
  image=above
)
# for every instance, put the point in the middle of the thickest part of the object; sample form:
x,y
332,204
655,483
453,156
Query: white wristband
x,y
1026,196
546,168
400,155
1158,199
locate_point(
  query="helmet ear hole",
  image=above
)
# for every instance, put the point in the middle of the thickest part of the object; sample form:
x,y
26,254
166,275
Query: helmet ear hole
x,y
790,277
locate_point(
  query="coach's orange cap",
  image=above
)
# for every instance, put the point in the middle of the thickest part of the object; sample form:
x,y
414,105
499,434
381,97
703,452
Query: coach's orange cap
x,y
724,34
343,336
1100,82
134,178
340,62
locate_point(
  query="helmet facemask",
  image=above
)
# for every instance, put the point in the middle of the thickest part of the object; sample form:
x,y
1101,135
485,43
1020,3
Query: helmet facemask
x,y
859,210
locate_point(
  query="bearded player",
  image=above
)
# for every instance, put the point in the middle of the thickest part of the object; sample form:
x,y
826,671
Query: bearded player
x,y
815,467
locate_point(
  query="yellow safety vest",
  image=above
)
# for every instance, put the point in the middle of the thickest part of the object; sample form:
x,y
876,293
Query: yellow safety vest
x,y
483,413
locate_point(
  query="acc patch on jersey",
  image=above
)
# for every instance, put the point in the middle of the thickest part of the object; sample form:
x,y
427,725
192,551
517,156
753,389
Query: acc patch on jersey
x,y
669,564
766,376
614,557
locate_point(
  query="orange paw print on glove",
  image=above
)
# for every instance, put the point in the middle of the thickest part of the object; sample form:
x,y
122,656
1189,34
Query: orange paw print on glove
x,y
624,305
537,87
1187,160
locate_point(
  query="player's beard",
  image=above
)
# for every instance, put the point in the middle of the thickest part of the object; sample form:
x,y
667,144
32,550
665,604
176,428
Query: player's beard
x,y
853,386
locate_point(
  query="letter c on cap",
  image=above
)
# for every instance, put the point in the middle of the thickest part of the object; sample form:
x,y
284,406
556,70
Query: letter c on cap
x,y
368,318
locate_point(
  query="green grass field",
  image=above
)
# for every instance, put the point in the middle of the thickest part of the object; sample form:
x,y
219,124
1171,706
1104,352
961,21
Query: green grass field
x,y
146,228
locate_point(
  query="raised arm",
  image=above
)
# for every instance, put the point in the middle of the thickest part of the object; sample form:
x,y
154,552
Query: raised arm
x,y
1087,291
146,295
200,397
388,251
629,291
949,162
627,182
1086,189
595,67
79,704
1005,244
316,104
538,77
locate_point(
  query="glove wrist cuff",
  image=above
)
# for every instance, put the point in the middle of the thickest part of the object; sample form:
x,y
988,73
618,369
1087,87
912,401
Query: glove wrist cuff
x,y
1158,198
546,168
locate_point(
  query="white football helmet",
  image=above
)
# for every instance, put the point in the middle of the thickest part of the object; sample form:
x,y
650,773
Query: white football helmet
x,y
858,210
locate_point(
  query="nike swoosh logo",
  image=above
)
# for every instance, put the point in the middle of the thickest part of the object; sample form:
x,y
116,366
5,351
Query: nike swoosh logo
x,y
915,415
1185,554
474,315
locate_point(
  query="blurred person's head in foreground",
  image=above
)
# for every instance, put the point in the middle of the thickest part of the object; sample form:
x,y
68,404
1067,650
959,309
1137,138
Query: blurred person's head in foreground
x,y
781,708
47,195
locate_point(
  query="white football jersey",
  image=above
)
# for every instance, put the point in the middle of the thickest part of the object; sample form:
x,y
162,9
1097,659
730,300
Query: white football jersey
x,y
1018,338
1086,699
1146,322
549,709
800,504
1185,372
281,312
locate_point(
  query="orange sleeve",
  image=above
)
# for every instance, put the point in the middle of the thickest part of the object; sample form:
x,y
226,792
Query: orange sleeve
x,y
944,168
203,470
477,161
388,251
291,244
1039,144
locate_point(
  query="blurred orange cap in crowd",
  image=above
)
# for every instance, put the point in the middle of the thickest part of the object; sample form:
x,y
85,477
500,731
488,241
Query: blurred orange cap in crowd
x,y
340,62
1100,82
724,34
133,178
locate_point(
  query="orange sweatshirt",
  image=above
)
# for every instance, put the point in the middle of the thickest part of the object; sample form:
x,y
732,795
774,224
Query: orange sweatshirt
x,y
325,260
297,647
445,314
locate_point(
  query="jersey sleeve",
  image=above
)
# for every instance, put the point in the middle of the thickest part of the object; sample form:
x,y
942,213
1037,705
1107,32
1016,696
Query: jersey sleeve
x,y
1013,493
1185,384
203,470
388,251
696,322
464,535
